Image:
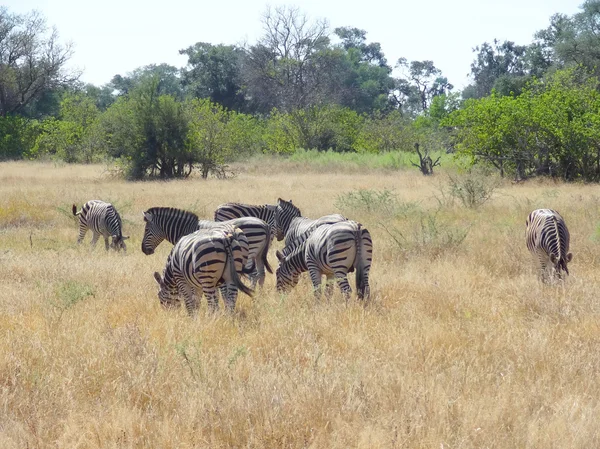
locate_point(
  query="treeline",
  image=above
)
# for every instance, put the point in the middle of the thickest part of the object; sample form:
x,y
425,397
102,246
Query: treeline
x,y
530,110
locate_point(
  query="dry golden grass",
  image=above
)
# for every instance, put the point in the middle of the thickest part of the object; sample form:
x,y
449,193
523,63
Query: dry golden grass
x,y
461,347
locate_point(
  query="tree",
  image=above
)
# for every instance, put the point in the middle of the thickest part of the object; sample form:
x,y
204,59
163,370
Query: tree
x,y
166,76
421,82
32,62
284,68
574,40
552,128
505,67
214,72
366,82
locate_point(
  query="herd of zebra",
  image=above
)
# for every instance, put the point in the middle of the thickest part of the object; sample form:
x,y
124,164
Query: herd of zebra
x,y
210,254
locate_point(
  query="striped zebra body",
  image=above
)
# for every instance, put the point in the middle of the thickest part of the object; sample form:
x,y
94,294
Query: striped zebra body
x,y
166,223
200,261
103,220
231,211
332,250
301,228
547,239
294,228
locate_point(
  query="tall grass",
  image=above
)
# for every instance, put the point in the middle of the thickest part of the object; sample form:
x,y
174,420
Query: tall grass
x,y
460,347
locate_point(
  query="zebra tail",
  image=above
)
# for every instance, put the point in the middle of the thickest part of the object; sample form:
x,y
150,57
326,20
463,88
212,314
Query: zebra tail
x,y
359,264
75,210
265,251
233,273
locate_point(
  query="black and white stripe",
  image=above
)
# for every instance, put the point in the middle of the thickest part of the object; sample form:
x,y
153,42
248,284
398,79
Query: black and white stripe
x,y
291,225
547,239
334,251
200,261
231,211
172,224
103,220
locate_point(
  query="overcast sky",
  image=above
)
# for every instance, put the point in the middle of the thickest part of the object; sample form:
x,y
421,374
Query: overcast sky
x,y
114,37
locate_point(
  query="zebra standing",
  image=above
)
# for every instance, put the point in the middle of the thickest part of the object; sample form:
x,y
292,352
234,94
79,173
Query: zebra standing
x,y
202,260
103,220
547,239
171,224
230,211
333,250
291,225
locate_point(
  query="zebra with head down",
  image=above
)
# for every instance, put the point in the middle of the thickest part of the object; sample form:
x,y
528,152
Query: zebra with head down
x,y
332,250
201,261
103,220
547,239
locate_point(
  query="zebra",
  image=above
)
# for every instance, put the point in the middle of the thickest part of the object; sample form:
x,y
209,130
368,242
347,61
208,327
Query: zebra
x,y
291,226
230,211
171,224
104,220
547,239
334,250
202,260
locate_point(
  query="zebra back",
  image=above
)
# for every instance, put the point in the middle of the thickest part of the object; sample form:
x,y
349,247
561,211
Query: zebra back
x,y
230,211
301,229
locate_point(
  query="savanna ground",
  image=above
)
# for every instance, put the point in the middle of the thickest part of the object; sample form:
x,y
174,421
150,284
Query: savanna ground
x,y
460,347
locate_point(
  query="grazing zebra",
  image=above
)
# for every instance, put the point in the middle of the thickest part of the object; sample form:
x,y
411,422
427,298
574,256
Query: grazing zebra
x,y
230,211
333,250
172,224
547,238
104,220
202,260
290,224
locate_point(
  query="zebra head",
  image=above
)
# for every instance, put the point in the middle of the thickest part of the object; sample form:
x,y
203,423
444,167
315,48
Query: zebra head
x,y
118,242
168,293
284,214
153,234
166,223
287,276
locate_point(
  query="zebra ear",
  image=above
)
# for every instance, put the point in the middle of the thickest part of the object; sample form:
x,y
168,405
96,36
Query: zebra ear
x,y
147,216
158,278
569,257
279,255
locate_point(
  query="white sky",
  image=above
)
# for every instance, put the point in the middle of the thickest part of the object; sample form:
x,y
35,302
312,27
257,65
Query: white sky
x,y
114,37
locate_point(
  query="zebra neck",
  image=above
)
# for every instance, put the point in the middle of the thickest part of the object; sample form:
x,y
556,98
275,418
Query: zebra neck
x,y
173,232
295,262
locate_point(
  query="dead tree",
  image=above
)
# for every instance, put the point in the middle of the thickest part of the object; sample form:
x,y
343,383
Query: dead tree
x,y
425,164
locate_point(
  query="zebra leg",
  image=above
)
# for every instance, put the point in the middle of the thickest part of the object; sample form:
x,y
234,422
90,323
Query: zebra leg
x,y
223,290
189,297
82,231
259,274
212,298
106,243
342,280
231,297
329,287
315,277
95,239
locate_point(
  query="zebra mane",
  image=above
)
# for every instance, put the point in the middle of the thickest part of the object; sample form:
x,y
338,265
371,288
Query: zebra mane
x,y
288,205
171,211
